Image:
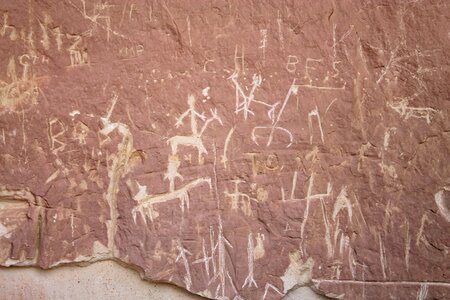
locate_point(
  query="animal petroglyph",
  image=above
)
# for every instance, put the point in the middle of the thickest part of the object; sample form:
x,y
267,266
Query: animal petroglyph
x,y
225,147
194,140
406,112
146,201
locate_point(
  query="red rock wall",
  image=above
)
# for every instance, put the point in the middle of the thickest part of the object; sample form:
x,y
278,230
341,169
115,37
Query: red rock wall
x,y
236,149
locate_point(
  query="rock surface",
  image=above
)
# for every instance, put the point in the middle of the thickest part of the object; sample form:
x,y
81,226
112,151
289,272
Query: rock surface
x,y
102,280
236,149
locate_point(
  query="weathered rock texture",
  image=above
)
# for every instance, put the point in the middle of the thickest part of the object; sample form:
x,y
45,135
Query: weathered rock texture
x,y
102,280
238,149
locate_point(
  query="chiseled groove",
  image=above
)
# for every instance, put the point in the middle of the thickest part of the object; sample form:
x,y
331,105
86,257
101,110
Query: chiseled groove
x,y
375,282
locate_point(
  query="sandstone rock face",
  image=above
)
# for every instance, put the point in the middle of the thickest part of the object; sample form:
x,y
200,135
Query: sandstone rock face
x,y
237,149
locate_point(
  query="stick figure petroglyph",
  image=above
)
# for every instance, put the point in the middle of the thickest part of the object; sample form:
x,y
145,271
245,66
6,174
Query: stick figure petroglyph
x,y
195,139
240,200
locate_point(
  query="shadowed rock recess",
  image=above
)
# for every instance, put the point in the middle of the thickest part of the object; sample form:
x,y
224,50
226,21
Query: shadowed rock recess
x,y
236,149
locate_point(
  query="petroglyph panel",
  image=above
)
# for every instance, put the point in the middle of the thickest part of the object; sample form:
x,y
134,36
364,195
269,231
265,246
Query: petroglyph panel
x,y
236,149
